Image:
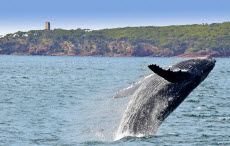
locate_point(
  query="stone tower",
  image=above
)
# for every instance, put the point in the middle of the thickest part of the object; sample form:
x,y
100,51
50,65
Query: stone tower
x,y
47,26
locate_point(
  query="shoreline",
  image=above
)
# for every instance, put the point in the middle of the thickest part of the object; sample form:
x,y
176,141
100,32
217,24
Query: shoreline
x,y
122,55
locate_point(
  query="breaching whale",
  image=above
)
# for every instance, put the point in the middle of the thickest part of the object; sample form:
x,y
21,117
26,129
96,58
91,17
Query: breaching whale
x,y
159,94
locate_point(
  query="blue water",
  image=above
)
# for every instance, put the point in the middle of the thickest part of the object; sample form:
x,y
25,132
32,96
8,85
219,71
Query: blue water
x,y
68,100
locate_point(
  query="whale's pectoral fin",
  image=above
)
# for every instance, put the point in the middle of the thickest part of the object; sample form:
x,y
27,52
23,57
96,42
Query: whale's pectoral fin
x,y
131,89
127,91
171,76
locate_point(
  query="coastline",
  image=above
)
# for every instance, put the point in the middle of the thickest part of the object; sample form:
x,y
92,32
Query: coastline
x,y
121,55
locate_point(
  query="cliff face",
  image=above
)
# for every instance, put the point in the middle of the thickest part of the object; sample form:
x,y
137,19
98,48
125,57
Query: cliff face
x,y
182,41
68,48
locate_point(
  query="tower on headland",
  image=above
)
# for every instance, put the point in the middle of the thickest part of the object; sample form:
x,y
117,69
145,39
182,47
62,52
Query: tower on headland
x,y
47,26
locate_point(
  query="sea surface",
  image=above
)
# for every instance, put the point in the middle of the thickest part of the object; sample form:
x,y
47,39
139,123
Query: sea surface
x,y
58,100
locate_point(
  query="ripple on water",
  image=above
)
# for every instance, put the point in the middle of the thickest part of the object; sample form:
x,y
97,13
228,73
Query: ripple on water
x,y
193,101
198,115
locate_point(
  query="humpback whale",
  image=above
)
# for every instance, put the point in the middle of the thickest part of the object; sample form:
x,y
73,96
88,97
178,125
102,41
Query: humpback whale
x,y
159,94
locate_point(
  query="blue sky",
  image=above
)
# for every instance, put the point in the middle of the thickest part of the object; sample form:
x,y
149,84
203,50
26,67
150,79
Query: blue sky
x,y
24,15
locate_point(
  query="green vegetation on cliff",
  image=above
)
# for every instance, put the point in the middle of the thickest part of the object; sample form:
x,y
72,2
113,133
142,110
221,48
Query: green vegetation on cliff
x,y
213,39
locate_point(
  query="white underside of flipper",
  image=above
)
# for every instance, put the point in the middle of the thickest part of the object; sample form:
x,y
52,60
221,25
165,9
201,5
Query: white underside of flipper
x,y
131,89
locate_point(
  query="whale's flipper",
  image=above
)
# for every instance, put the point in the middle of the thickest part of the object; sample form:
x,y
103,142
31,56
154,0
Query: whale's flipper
x,y
171,76
131,89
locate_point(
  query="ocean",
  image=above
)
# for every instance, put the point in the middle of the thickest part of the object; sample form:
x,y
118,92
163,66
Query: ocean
x,y
68,100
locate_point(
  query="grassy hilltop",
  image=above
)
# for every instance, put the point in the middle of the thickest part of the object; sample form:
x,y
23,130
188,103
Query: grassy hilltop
x,y
183,40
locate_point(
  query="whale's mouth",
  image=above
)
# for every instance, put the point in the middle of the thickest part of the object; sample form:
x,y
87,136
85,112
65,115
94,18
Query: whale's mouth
x,y
210,66
208,69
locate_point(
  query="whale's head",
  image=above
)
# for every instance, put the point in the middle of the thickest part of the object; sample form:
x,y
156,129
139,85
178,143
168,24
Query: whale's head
x,y
198,68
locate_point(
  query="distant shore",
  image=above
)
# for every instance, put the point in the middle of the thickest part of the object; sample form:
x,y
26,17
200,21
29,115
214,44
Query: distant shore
x,y
169,41
122,55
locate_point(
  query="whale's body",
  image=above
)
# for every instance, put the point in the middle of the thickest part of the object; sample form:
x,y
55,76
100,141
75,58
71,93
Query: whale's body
x,y
159,94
